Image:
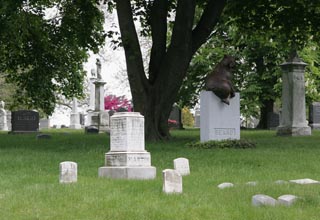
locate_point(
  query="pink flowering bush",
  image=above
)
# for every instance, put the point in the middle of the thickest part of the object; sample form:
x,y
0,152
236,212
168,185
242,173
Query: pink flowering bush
x,y
172,123
115,103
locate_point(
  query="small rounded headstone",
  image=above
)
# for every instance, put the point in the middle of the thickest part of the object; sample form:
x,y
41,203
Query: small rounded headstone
x,y
287,200
68,172
263,200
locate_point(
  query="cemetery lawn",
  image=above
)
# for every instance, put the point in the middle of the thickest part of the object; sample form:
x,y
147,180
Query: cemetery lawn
x,y
30,189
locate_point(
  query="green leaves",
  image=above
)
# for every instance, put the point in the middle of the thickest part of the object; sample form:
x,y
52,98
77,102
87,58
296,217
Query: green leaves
x,y
42,54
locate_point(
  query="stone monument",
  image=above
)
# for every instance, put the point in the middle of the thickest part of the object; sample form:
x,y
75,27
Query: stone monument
x,y
293,115
75,116
219,121
127,158
99,117
3,117
314,115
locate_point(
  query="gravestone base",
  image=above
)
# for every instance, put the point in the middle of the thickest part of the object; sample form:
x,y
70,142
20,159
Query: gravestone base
x,y
75,121
128,165
315,126
294,131
219,121
128,172
104,123
130,159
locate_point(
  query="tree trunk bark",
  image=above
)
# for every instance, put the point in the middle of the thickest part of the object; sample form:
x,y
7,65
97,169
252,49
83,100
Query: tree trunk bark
x,y
267,107
154,96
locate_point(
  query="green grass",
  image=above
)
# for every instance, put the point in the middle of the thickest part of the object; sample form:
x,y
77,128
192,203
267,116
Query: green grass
x,y
30,189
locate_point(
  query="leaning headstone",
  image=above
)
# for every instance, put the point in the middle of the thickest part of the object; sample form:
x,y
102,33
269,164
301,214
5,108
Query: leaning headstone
x,y
293,115
181,165
225,185
314,115
172,181
3,117
263,200
127,158
304,181
25,121
287,200
68,172
218,120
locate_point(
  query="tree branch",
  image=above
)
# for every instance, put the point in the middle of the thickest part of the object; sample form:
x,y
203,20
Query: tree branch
x,y
132,49
159,12
207,22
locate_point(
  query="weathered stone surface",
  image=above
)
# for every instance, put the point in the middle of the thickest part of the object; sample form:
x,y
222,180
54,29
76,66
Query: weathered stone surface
x,y
181,165
219,121
287,200
263,200
139,173
172,181
131,159
127,132
225,185
293,115
68,172
304,181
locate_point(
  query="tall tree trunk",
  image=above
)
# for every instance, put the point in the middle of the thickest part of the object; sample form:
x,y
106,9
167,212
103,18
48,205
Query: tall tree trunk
x,y
266,108
154,96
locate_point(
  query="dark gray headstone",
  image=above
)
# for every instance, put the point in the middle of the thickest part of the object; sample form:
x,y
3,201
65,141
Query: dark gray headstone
x,y
91,130
273,120
176,116
314,115
25,121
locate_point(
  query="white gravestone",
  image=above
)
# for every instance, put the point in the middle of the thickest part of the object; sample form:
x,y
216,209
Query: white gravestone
x,y
263,200
68,172
287,200
127,158
181,165
75,116
172,181
3,118
219,121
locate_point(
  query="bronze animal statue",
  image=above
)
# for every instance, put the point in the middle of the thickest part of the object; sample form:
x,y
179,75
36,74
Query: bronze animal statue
x,y
219,80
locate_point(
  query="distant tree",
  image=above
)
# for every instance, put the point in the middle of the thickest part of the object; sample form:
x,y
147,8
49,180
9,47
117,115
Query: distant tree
x,y
42,53
187,117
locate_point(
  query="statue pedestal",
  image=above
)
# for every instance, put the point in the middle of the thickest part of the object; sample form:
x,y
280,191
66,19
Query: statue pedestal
x,y
219,121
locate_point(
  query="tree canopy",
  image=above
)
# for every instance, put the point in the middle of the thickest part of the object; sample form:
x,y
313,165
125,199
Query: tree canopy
x,y
43,44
